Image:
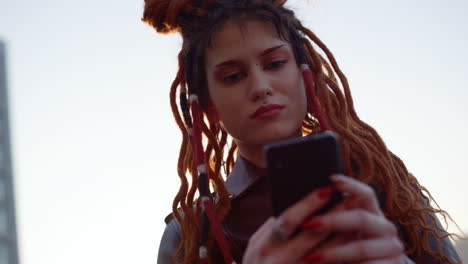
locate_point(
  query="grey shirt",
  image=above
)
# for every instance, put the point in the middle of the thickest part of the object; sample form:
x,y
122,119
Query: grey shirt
x,y
250,207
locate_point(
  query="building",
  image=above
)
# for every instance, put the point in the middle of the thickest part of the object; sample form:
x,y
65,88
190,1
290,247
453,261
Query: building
x,y
8,237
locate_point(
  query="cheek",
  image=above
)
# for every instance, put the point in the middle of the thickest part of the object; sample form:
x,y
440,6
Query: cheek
x,y
298,96
296,89
302,90
223,103
303,93
301,101
227,109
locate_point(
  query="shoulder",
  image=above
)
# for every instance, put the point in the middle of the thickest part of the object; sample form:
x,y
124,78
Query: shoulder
x,y
440,242
436,242
170,241
169,218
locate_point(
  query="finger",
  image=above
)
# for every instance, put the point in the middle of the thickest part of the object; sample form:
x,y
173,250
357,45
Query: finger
x,y
292,217
263,233
266,227
335,240
304,242
331,242
358,193
357,220
359,251
264,242
337,208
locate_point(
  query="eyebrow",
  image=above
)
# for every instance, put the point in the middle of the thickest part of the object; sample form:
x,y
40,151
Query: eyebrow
x,y
270,50
264,53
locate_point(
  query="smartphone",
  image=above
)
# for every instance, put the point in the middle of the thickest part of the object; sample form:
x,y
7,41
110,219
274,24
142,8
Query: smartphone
x,y
300,165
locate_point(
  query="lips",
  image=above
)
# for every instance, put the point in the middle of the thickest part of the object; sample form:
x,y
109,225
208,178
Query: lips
x,y
266,111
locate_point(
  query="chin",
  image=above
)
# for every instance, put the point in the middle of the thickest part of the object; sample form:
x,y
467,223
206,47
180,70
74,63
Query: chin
x,y
277,135
260,136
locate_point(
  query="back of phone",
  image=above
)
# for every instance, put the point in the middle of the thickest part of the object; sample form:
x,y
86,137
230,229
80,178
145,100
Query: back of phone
x,y
298,166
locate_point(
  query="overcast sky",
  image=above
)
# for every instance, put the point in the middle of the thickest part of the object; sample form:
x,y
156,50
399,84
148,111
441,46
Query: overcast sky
x,y
95,146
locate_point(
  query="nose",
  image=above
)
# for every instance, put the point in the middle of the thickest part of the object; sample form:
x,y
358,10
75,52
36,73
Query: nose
x,y
259,85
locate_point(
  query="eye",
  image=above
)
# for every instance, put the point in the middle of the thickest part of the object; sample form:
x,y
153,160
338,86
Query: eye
x,y
233,78
274,65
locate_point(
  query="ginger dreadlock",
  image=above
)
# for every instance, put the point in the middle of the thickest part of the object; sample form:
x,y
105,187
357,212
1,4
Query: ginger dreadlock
x,y
366,156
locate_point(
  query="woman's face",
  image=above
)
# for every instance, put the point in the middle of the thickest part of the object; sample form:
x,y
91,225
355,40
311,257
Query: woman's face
x,y
255,84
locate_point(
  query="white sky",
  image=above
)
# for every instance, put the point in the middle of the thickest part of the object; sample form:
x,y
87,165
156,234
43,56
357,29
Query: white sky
x,y
95,145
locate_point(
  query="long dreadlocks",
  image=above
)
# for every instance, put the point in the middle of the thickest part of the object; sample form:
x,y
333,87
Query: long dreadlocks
x,y
331,106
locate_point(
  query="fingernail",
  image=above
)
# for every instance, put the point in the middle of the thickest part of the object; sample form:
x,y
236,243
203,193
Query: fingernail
x,y
313,257
326,192
313,223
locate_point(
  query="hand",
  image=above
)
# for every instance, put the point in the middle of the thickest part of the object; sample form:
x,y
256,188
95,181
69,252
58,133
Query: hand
x,y
364,235
270,242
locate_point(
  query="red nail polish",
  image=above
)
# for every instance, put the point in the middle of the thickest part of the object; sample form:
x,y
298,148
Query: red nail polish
x,y
313,257
313,223
326,192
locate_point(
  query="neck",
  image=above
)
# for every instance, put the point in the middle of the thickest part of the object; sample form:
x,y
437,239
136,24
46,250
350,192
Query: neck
x,y
254,152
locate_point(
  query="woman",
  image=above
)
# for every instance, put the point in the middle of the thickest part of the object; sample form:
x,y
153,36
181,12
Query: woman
x,y
254,77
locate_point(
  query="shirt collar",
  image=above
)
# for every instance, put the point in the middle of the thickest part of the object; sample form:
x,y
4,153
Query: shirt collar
x,y
243,175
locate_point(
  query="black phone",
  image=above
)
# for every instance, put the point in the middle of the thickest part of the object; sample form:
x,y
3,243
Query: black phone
x,y
300,165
